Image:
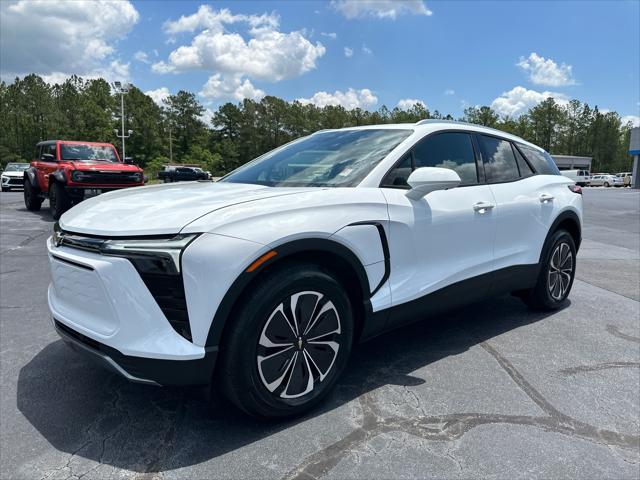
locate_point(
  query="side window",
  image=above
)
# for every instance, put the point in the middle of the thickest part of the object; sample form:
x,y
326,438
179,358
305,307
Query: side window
x,y
452,150
398,176
50,149
499,160
523,165
541,161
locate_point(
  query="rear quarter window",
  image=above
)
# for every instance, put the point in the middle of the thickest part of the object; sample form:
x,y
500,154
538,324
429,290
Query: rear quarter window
x,y
540,160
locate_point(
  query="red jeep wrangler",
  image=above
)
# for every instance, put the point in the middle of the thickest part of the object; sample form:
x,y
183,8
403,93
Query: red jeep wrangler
x,y
66,172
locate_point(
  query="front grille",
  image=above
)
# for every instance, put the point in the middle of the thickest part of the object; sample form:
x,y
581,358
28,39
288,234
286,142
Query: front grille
x,y
108,178
15,181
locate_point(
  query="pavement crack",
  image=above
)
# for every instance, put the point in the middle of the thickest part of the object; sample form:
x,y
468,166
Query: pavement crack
x,y
599,366
615,331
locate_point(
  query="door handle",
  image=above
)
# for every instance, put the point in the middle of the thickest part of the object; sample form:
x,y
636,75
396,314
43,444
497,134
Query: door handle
x,y
482,207
546,198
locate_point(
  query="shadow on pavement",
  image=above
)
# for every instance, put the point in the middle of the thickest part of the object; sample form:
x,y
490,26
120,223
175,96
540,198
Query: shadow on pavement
x,y
89,412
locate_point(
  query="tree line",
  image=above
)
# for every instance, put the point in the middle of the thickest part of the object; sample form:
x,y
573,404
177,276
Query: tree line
x,y
88,109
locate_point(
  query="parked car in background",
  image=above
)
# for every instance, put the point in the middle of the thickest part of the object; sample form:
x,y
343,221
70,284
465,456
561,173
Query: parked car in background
x,y
627,178
66,172
581,177
266,279
605,181
12,175
182,174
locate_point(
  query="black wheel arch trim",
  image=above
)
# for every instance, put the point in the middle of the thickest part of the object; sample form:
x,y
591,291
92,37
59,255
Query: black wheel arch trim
x,y
285,250
58,176
30,174
571,216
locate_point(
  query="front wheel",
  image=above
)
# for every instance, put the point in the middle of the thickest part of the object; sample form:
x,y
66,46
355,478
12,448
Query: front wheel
x,y
289,342
32,200
606,184
557,271
6,189
59,201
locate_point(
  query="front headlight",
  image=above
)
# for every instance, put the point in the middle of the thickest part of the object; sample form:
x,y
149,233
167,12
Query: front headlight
x,y
77,176
161,256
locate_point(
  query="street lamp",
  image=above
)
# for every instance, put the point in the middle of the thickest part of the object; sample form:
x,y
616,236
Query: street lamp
x,y
122,88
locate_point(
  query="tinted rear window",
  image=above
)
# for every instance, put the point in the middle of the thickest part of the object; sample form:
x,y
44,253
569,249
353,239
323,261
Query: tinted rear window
x,y
499,160
541,161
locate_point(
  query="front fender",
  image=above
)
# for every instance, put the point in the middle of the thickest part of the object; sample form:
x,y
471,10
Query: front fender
x,y
30,175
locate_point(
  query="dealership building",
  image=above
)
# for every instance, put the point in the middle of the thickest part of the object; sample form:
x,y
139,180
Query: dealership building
x,y
634,149
572,162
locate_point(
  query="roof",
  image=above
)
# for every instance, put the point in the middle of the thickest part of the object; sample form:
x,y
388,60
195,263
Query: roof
x,y
75,142
433,124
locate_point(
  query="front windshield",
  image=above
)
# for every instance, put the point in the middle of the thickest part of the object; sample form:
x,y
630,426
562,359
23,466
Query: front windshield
x,y
86,153
16,167
327,159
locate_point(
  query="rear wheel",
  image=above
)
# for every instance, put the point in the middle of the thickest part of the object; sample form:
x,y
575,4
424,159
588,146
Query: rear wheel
x,y
556,275
59,201
606,184
32,199
289,342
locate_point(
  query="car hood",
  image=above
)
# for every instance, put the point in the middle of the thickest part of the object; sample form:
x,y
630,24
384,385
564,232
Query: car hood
x,y
160,209
13,174
104,166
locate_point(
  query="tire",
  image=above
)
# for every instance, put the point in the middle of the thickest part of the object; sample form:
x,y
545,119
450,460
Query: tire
x,y
557,272
6,189
606,184
32,200
251,365
59,201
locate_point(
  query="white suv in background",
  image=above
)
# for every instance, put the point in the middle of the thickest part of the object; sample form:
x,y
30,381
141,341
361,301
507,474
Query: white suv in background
x,y
269,276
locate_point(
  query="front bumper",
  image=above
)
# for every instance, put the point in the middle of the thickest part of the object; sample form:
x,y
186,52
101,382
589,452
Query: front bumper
x,y
101,304
12,182
149,371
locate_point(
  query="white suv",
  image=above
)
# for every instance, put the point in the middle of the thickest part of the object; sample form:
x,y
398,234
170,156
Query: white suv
x,y
270,275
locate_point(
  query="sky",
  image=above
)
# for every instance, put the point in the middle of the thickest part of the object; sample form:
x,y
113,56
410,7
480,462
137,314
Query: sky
x,y
356,53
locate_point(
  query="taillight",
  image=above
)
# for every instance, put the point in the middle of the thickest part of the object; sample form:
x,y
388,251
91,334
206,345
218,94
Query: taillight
x,y
576,189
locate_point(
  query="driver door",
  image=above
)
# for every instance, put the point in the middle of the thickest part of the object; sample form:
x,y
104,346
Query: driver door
x,y
446,236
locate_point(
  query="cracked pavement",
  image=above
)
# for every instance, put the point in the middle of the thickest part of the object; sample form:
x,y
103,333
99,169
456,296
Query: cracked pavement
x,y
492,390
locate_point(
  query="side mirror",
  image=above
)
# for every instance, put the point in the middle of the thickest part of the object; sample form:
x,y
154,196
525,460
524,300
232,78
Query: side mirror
x,y
425,180
47,157
128,160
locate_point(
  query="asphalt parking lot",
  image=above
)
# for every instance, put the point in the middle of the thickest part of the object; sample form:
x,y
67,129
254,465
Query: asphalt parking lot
x,y
491,391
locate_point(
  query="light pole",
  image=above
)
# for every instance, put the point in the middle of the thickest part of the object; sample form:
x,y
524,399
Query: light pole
x,y
122,88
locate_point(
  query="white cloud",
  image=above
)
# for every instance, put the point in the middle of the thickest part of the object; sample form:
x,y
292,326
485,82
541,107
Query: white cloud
x,y
331,35
141,56
634,119
449,91
544,71
409,103
159,95
58,38
348,52
518,100
366,50
268,54
350,99
235,58
380,8
231,87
